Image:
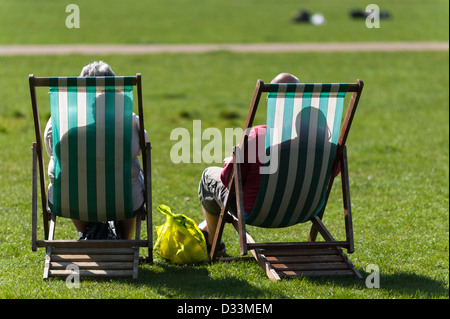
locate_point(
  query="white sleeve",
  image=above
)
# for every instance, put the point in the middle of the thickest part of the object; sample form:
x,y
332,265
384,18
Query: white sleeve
x,y
48,140
136,124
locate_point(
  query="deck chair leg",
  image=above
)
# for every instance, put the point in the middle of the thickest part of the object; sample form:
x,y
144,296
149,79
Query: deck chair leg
x,y
48,255
235,187
219,230
38,148
347,204
34,200
240,202
264,264
317,225
258,254
136,249
149,202
355,272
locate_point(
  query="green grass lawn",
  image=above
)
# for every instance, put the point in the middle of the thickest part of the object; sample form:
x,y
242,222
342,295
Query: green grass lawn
x,y
217,21
398,147
398,161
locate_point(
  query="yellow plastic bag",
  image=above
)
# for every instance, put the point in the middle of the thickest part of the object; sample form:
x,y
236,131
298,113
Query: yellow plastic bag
x,y
179,239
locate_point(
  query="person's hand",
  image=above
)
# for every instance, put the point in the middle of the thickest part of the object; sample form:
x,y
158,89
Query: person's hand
x,y
227,160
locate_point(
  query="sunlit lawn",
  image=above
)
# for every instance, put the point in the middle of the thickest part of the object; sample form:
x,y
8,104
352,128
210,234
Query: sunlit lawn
x,y
398,160
217,21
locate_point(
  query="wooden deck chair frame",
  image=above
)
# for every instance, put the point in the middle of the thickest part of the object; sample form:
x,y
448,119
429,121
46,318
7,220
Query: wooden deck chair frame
x,y
94,258
310,258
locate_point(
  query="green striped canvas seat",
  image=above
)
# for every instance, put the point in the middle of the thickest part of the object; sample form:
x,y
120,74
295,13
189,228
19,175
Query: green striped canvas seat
x,y
91,127
303,126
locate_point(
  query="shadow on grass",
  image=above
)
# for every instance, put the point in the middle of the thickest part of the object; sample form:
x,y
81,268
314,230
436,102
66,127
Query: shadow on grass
x,y
408,284
417,286
172,281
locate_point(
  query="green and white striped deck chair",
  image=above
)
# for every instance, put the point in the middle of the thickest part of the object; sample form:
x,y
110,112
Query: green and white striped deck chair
x,y
305,145
91,131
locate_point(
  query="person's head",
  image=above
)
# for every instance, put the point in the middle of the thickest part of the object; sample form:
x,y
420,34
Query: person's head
x,y
97,69
285,78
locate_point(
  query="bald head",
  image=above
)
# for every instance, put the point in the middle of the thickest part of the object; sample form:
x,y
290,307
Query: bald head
x,y
285,78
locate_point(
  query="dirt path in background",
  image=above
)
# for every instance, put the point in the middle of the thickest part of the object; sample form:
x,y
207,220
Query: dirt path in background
x,y
198,48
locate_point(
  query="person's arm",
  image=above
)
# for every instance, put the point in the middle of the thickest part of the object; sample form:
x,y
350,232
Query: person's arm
x,y
226,172
136,124
244,162
48,139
